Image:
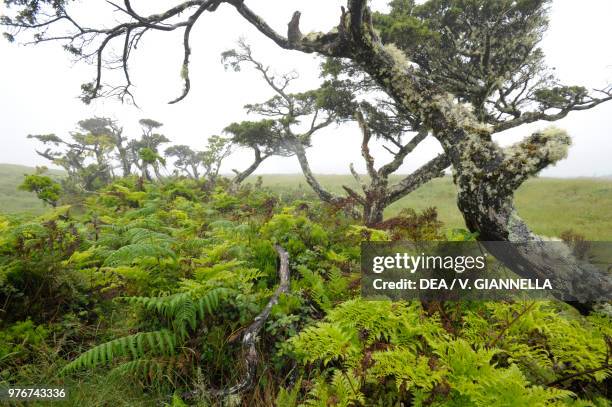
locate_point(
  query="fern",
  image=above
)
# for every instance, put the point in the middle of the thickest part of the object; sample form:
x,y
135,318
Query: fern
x,y
142,235
343,391
150,369
315,284
408,369
135,253
182,310
325,342
162,342
288,398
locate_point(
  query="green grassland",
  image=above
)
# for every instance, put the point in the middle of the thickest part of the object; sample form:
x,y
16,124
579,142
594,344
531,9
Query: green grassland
x,y
11,199
550,205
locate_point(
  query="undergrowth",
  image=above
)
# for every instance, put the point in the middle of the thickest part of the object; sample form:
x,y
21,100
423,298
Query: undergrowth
x,y
139,296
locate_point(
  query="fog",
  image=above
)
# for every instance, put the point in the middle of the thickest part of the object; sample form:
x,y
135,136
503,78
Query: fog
x,y
39,87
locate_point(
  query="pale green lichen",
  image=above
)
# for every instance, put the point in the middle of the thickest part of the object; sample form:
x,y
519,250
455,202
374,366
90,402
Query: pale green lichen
x,y
558,142
313,37
185,71
537,151
461,114
399,58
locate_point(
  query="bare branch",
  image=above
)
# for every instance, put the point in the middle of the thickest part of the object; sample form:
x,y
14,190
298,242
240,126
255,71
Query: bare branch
x,y
365,149
187,51
433,169
531,117
250,336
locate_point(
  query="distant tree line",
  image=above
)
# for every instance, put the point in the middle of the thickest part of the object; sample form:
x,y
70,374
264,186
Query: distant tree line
x,y
98,152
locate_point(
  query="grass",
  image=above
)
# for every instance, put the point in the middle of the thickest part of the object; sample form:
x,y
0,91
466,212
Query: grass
x,y
549,205
11,199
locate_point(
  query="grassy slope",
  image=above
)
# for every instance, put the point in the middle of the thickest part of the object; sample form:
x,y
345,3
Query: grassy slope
x,y
549,205
13,200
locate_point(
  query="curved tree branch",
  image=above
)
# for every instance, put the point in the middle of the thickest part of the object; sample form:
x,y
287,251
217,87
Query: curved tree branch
x,y
322,193
251,334
433,169
242,175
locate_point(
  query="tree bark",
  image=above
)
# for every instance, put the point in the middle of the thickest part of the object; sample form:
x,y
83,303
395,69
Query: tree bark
x,y
373,211
250,336
486,175
125,163
241,176
322,193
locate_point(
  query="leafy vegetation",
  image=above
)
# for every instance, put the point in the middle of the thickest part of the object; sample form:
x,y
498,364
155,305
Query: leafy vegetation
x,y
147,288
13,200
45,188
191,288
552,206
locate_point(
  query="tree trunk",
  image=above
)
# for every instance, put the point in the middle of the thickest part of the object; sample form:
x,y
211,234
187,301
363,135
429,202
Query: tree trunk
x,y
486,176
241,176
373,212
125,163
196,173
156,171
324,195
375,200
145,172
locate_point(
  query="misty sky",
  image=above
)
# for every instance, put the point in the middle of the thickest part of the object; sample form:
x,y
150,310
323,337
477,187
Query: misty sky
x,y
39,86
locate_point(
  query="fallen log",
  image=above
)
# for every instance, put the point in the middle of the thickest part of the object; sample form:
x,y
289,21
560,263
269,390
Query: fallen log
x,y
250,336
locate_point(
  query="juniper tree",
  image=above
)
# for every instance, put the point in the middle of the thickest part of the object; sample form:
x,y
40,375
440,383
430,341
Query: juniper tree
x,y
399,132
212,157
148,157
201,164
264,137
296,117
45,188
485,174
108,129
145,151
186,160
85,155
337,98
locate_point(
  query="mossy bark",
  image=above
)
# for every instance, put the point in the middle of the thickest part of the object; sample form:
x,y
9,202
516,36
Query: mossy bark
x,y
486,175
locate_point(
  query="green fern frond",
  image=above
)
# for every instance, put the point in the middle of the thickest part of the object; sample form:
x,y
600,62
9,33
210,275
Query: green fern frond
x,y
135,346
408,369
184,309
325,342
142,235
148,369
134,253
343,391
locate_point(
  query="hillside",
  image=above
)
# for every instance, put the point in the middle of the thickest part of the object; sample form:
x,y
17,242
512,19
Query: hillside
x,y
11,199
550,205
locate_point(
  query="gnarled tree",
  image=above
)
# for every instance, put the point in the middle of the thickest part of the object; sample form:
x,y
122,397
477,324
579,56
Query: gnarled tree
x,y
85,156
336,101
144,153
317,108
264,137
485,174
217,150
186,160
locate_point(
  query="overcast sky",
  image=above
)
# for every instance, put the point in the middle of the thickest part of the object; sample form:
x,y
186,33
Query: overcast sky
x,y
39,86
